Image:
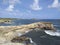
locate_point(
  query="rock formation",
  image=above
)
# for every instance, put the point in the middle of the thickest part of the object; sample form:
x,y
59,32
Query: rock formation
x,y
10,32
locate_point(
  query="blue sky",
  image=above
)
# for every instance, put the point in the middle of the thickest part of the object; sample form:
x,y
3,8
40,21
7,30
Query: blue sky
x,y
40,9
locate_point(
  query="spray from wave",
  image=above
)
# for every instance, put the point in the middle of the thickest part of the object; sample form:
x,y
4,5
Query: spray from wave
x,y
32,42
53,33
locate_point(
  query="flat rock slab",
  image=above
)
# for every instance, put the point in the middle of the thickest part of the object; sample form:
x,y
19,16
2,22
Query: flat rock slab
x,y
12,44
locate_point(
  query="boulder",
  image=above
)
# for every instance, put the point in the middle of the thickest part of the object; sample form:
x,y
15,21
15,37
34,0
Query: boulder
x,y
20,39
23,39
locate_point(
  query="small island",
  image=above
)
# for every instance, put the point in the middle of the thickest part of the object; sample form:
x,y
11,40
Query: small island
x,y
6,20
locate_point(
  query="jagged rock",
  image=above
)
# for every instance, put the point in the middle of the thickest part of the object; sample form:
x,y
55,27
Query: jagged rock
x,y
10,32
20,39
39,25
23,39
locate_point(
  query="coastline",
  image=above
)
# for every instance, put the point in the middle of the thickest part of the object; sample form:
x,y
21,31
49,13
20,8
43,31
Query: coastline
x,y
9,32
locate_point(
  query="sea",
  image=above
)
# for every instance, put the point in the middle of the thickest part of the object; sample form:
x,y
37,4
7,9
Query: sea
x,y
46,37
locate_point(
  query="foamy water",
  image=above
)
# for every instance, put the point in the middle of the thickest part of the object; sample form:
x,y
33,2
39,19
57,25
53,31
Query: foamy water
x,y
53,33
32,42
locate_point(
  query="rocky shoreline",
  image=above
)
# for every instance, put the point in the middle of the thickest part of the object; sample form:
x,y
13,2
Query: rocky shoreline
x,y
10,32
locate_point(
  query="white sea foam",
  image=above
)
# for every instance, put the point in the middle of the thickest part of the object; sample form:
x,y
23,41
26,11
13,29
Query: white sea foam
x,y
26,31
55,25
31,40
53,33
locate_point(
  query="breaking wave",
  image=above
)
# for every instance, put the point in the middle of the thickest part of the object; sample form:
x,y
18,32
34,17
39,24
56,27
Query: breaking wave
x,y
53,33
32,42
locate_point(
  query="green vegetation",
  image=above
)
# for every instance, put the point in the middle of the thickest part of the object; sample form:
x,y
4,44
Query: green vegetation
x,y
6,19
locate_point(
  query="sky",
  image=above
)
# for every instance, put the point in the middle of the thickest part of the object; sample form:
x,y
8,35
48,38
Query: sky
x,y
27,9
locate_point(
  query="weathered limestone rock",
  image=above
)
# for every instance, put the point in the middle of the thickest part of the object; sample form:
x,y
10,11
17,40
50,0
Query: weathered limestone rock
x,y
10,35
2,40
12,44
23,39
20,39
46,25
10,32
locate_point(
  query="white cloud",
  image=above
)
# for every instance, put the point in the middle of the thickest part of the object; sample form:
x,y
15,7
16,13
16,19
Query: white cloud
x,y
11,4
9,14
10,8
10,11
15,13
35,5
55,4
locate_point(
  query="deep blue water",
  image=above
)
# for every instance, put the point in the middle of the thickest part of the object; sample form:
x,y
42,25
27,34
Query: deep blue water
x,y
40,37
56,22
